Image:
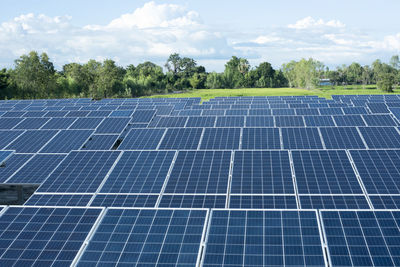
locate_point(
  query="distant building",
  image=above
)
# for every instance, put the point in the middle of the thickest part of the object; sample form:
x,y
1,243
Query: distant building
x,y
325,82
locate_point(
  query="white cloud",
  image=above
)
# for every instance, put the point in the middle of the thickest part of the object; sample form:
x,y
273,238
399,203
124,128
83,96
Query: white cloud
x,y
309,22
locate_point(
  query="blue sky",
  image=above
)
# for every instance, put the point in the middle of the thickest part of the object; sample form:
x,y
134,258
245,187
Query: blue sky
x,y
334,32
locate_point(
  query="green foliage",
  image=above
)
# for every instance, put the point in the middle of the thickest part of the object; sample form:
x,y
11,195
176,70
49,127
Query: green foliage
x,y
304,73
386,82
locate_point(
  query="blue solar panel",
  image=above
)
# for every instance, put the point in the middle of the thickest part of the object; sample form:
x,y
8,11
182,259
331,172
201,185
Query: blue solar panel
x,y
143,116
31,141
301,138
385,201
56,113
204,121
260,121
289,121
381,137
100,142
307,111
200,172
66,141
44,236
261,138
220,138
12,164
362,238
31,123
319,121
37,169
395,112
112,125
324,172
283,111
379,170
99,113
86,123
341,138
330,111
58,123
180,139
261,172
4,155
166,122
230,121
193,201
9,123
140,139
260,112
378,108
35,114
139,172
58,200
7,137
263,238
13,114
80,172
214,112
333,202
121,113
355,110
379,120
262,202
77,113
349,120
138,201
146,237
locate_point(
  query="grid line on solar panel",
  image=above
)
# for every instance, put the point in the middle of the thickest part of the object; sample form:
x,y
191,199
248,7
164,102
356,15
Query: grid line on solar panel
x,y
141,139
181,139
209,201
58,200
263,238
48,236
124,200
139,172
80,172
324,172
361,238
254,201
147,237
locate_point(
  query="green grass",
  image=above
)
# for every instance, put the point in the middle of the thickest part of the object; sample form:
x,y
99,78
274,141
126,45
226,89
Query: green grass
x,y
325,91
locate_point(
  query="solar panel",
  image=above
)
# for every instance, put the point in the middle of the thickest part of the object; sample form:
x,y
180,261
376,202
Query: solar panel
x,y
378,108
181,138
142,116
204,121
139,172
7,137
121,113
289,121
213,112
236,112
66,141
4,155
44,236
220,138
167,122
319,121
120,200
31,123
86,123
9,123
80,172
112,125
58,200
355,110
13,114
385,201
283,111
261,172
12,164
24,143
349,120
99,113
333,202
330,111
261,138
193,201
230,121
260,112
200,172
324,172
380,137
379,120
142,139
262,202
57,113
260,121
301,138
77,113
146,237
58,123
341,138
34,114
263,238
362,238
307,111
100,142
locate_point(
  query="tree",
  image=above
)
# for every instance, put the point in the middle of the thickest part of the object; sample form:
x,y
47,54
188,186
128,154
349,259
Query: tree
x,y
109,82
304,73
173,63
354,73
386,82
395,62
4,83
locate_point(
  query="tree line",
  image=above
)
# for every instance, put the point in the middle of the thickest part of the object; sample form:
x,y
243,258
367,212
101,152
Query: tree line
x,y
34,76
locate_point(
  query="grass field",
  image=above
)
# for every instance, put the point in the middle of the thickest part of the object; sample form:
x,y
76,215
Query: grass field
x,y
325,91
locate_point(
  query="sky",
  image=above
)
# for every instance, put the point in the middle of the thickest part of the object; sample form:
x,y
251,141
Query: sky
x,y
133,31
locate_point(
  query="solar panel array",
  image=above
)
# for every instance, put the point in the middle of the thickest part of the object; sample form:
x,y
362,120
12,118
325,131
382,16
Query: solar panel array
x,y
233,181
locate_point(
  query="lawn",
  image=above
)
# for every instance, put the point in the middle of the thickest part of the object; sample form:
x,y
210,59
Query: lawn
x,y
324,91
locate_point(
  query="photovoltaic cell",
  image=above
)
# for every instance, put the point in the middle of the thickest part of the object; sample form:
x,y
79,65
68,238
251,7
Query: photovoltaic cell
x,y
385,201
349,120
140,139
381,137
341,138
112,125
12,164
263,238
301,138
146,237
180,139
262,172
58,123
362,238
220,138
193,201
58,200
259,121
319,121
166,122
138,201
140,116
262,202
31,123
378,108
204,121
100,142
139,172
44,236
324,172
4,155
230,121
289,121
9,123
261,138
121,113
66,141
80,172
7,137
31,141
200,172
333,202
86,123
